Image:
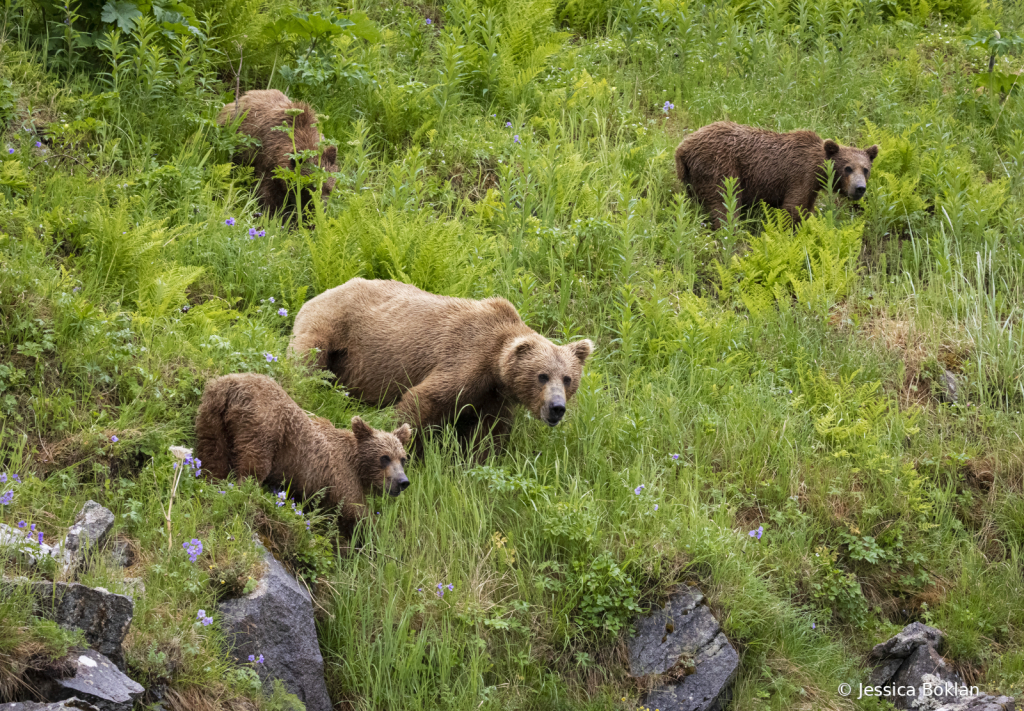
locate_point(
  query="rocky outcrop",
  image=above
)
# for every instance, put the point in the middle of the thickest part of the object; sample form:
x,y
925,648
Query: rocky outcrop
x,y
275,623
90,530
31,550
913,660
104,616
96,680
684,645
72,704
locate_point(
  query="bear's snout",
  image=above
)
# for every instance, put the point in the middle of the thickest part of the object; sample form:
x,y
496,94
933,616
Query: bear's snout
x,y
555,409
858,192
397,483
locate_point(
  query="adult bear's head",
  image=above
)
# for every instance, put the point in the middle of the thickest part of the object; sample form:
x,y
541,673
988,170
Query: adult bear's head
x,y
543,376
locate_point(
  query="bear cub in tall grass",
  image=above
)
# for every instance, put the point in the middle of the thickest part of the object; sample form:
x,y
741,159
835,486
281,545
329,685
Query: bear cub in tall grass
x,y
785,170
441,359
247,424
263,111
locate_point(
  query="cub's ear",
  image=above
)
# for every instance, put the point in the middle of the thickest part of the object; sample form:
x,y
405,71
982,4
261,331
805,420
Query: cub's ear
x,y
360,429
404,434
331,155
872,152
831,148
582,349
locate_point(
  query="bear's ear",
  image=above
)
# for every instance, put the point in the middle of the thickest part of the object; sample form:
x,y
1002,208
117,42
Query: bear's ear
x,y
291,164
831,148
331,155
404,434
872,152
520,347
582,349
360,429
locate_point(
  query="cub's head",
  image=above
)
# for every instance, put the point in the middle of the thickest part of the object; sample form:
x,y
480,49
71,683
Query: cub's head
x,y
543,376
852,168
381,457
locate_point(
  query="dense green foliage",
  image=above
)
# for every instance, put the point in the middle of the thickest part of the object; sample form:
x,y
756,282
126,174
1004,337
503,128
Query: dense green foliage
x,y
753,377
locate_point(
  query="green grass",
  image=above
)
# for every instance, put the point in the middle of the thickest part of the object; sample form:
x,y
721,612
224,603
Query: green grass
x,y
804,401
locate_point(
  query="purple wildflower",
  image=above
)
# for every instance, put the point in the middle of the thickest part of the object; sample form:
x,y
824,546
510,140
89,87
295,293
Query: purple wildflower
x,y
508,124
271,299
639,489
757,532
261,233
256,660
230,222
10,151
201,614
450,587
655,507
270,357
252,232
282,312
207,621
22,524
194,548
6,498
675,457
515,139
440,589
668,106
16,478
428,21
814,625
3,478
40,535
39,144
32,528
113,438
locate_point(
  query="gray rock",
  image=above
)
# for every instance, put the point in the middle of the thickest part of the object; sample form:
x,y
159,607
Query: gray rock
x,y
913,659
276,620
72,704
948,391
121,554
33,551
90,529
684,642
104,616
95,680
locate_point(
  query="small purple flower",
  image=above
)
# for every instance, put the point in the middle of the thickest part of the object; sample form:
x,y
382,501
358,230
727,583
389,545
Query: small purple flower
x,y
271,299
230,222
282,312
10,151
515,139
76,290
32,528
222,492
280,499
270,357
207,621
655,507
508,124
6,498
22,524
261,233
757,532
38,144
419,589
450,587
201,614
440,589
639,489
256,660
114,439
16,478
40,534
428,21
194,548
668,106
814,626
3,478
252,232
675,457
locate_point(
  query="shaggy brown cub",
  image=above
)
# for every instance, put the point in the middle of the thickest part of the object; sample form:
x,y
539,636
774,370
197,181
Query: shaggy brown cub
x,y
247,423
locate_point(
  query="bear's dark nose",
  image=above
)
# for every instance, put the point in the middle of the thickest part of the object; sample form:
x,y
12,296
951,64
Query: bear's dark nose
x,y
555,414
398,485
859,192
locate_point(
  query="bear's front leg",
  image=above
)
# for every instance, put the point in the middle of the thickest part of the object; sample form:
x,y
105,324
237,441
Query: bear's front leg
x,y
431,403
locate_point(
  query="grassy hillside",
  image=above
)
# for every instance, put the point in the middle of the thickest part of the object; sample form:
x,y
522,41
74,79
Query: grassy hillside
x,y
746,379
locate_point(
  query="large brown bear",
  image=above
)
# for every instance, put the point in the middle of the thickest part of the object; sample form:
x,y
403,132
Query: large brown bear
x,y
248,424
263,110
441,359
785,170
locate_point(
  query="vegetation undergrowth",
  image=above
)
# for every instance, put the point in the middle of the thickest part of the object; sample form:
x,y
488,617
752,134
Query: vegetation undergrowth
x,y
791,384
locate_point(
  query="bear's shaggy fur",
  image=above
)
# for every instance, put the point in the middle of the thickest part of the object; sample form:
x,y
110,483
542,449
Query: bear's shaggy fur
x,y
390,342
263,110
785,170
247,424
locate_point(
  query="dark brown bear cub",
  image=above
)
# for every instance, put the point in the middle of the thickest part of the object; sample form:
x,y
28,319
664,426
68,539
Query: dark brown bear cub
x,y
439,358
785,170
248,424
264,110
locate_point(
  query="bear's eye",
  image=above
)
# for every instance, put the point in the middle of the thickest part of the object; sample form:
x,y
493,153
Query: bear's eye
x,y
543,378
384,462
405,460
567,381
849,170
866,172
